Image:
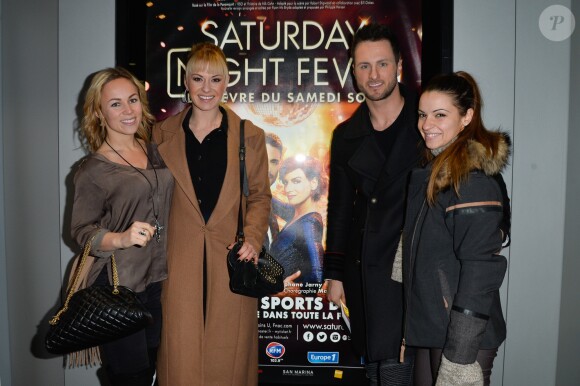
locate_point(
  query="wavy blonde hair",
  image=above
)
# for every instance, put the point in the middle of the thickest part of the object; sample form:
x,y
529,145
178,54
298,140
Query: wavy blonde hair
x,y
93,123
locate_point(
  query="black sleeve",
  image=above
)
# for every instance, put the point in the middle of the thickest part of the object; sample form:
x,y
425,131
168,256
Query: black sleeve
x,y
474,220
506,221
341,193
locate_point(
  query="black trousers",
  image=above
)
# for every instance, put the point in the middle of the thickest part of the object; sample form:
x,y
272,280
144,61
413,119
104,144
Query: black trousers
x,y
427,362
131,361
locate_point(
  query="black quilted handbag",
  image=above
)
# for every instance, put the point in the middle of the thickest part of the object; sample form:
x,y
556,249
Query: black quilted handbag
x,y
95,315
247,278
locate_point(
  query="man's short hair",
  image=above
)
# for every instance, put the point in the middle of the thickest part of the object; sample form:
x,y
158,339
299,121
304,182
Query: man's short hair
x,y
274,141
375,32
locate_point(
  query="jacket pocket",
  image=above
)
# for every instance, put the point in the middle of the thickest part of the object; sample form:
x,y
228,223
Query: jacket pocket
x,y
446,294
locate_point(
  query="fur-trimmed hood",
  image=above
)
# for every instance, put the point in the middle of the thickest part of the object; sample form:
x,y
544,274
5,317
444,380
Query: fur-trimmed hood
x,y
480,159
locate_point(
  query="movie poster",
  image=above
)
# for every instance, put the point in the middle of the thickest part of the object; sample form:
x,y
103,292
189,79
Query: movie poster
x,y
289,74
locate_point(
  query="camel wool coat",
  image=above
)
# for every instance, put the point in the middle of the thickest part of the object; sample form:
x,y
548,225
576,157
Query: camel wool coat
x,y
223,349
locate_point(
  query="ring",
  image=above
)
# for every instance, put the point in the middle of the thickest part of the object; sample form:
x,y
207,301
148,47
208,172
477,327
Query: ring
x,y
142,232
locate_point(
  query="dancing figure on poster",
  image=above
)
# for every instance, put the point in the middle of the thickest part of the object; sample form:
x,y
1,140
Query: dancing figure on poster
x,y
298,246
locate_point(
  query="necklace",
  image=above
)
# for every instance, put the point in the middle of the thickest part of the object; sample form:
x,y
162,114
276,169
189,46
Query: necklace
x,y
154,192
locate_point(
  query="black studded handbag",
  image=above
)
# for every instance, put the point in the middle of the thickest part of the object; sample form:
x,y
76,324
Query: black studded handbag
x,y
247,278
95,315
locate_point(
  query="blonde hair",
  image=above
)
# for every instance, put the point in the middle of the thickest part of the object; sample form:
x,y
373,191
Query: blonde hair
x,y
206,56
93,123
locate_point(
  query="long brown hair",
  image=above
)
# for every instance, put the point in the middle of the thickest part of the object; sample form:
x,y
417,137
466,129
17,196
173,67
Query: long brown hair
x,y
454,160
93,125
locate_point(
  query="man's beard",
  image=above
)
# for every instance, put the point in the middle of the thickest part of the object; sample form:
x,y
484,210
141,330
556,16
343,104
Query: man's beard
x,y
384,95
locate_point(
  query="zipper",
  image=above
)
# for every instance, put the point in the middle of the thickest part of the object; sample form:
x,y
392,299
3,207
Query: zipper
x,y
403,341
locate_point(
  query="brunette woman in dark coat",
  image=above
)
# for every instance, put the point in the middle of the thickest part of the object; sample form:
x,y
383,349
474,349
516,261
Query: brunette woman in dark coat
x,y
454,229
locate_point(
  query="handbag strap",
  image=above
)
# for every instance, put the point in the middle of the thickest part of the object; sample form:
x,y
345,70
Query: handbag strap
x,y
79,269
244,190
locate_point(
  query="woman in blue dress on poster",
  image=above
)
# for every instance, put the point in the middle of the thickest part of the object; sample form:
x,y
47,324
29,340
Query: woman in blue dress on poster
x,y
298,246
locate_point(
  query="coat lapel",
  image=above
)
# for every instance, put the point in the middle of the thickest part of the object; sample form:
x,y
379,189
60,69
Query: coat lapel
x,y
172,149
231,185
376,170
407,150
368,160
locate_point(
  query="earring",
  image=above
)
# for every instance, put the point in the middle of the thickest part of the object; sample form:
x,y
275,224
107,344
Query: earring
x,y
186,98
101,122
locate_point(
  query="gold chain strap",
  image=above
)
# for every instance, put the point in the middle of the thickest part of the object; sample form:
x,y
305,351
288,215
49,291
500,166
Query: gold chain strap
x,y
73,287
115,275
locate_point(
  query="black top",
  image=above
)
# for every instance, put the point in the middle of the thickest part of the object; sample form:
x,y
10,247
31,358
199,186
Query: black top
x,y
386,138
207,162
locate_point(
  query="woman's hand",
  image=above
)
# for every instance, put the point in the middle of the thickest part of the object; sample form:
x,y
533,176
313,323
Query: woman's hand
x,y
139,233
246,252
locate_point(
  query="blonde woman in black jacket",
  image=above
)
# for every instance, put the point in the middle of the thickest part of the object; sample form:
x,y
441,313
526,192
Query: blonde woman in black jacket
x,y
452,239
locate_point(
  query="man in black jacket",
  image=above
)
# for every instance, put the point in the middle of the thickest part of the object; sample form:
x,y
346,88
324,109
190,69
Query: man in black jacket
x,y
372,154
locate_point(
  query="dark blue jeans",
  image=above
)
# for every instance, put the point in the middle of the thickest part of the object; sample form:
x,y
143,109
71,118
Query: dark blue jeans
x,y
390,372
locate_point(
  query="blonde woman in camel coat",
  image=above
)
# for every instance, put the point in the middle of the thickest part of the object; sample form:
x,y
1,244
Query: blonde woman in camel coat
x,y
210,335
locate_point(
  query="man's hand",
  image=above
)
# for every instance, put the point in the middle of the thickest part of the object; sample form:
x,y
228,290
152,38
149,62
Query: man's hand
x,y
335,292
